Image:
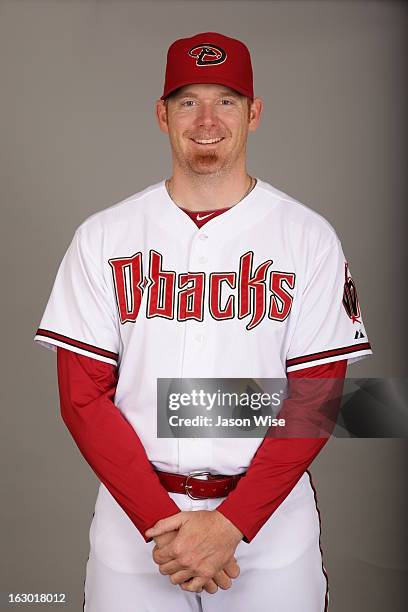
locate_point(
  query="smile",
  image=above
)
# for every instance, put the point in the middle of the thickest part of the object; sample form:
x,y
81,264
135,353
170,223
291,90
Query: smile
x,y
207,142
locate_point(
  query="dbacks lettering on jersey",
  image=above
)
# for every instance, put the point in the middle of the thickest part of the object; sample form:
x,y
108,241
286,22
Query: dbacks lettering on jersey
x,y
184,293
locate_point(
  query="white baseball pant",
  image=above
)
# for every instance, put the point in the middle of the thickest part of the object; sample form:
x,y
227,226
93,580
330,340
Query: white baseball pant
x,y
281,569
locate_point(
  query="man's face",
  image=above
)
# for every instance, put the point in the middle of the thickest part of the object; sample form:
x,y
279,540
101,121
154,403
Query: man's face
x,y
202,112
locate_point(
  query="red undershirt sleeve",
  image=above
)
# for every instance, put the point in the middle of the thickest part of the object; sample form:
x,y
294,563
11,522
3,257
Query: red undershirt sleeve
x,y
279,463
107,440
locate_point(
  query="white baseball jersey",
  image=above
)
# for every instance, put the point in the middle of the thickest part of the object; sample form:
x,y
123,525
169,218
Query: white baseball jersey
x,y
258,291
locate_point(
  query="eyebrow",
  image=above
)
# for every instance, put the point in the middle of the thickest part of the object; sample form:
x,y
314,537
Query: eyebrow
x,y
191,94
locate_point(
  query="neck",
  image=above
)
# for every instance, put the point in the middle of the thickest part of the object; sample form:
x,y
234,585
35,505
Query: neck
x,y
206,192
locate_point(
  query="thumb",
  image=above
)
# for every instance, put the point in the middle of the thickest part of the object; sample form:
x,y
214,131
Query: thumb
x,y
164,525
232,568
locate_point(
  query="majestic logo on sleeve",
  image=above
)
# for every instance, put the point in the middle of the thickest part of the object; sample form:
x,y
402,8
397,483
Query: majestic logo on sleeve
x,y
350,299
208,55
247,293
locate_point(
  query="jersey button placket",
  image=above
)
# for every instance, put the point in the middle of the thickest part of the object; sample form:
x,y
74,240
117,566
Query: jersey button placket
x,y
195,338
194,452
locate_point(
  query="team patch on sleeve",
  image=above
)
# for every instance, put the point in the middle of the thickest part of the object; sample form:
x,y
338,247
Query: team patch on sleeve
x,y
330,326
350,299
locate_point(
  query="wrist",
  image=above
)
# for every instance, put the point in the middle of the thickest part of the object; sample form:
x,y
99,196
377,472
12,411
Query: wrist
x,y
236,533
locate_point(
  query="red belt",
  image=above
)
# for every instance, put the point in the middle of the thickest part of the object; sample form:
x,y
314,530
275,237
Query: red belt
x,y
217,485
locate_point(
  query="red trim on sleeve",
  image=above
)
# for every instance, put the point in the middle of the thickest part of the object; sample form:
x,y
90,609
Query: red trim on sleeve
x,y
46,333
107,440
278,464
344,350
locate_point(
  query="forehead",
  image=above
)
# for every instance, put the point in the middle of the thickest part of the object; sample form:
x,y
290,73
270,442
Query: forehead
x,y
206,89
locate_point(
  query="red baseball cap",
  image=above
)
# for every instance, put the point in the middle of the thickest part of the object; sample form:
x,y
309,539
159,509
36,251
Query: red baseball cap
x,y
209,57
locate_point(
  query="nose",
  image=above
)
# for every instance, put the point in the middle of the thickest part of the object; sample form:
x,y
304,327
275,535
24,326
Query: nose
x,y
207,115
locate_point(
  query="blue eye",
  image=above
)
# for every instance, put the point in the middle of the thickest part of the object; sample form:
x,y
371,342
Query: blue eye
x,y
186,102
226,100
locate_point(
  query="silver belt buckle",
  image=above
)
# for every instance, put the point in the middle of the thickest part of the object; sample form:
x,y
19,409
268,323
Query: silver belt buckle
x,y
187,487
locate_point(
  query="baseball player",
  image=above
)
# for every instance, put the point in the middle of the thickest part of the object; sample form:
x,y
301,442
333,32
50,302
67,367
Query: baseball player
x,y
212,273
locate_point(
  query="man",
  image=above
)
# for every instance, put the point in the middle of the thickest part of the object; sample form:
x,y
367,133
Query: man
x,y
210,274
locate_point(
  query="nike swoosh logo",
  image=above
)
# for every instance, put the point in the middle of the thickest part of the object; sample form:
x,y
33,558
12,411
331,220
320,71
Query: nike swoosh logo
x,y
203,217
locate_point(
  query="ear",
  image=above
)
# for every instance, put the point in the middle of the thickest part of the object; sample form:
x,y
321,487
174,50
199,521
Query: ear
x,y
255,114
162,116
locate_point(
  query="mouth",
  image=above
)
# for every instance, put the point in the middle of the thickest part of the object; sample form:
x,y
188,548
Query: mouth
x,y
206,142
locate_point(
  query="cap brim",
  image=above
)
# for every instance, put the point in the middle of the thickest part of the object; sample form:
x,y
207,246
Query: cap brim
x,y
207,81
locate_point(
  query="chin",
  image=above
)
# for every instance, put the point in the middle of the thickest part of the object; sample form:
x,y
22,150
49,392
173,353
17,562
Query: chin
x,y
203,162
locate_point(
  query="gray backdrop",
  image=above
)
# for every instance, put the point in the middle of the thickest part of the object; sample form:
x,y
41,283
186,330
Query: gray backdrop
x,y
78,133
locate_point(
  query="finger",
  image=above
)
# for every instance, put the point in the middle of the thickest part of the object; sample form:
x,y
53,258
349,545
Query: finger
x,y
210,587
232,568
165,538
162,555
181,576
222,580
164,525
170,568
196,584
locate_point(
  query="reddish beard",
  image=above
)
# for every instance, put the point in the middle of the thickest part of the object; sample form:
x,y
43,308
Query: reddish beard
x,y
206,158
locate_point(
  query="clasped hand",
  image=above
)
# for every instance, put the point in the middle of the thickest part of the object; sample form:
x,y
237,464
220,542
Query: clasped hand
x,y
196,549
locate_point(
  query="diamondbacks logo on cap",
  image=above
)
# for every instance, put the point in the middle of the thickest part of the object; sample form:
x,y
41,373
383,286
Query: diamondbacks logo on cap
x,y
206,55
350,299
